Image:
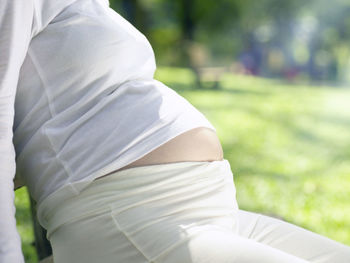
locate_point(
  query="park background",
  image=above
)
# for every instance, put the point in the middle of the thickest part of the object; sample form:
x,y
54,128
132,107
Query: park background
x,y
273,78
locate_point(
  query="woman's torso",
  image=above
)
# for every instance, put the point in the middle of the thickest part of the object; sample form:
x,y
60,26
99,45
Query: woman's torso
x,y
87,103
198,144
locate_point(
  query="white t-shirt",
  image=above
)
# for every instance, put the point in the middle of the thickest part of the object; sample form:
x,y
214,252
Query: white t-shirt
x,y
79,79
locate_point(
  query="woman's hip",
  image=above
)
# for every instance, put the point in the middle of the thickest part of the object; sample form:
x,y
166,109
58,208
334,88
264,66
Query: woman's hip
x,y
145,210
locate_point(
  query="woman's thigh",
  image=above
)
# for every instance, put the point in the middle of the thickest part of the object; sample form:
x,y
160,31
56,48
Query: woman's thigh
x,y
260,239
98,239
291,239
215,245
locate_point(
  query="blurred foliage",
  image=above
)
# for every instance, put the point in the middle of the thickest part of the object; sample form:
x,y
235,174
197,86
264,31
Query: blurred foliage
x,y
291,39
288,147
25,225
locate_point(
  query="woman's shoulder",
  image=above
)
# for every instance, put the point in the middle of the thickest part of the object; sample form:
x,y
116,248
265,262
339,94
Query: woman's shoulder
x,y
46,11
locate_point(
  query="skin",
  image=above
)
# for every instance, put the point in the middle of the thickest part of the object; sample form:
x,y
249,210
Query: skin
x,y
199,144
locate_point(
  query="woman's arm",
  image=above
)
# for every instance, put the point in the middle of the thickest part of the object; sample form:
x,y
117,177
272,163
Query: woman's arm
x,y
16,19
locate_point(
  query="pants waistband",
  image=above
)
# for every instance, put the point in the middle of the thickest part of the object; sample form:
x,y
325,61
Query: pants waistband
x,y
124,188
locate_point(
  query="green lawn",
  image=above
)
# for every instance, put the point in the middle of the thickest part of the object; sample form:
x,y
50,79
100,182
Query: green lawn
x,y
288,145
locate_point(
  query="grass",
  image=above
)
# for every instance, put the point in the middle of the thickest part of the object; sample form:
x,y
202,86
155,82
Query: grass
x,y
288,146
24,225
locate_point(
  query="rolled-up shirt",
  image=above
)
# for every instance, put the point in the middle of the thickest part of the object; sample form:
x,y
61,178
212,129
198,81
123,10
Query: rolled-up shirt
x,y
77,101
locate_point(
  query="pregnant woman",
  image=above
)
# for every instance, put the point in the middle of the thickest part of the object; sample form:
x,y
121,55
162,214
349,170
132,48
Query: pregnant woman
x,y
123,168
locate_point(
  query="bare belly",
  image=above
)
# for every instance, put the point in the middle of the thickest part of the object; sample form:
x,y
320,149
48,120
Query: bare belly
x,y
199,144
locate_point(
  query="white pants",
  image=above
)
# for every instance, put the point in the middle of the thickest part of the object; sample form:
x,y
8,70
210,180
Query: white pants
x,y
176,213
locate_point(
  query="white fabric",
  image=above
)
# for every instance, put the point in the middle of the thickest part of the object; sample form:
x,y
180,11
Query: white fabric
x,y
79,79
181,212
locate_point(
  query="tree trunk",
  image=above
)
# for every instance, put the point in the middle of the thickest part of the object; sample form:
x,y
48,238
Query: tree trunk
x,y
135,14
188,26
187,8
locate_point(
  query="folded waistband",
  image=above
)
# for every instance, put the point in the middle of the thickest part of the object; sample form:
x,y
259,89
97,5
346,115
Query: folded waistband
x,y
122,188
